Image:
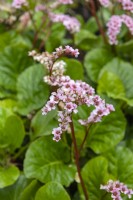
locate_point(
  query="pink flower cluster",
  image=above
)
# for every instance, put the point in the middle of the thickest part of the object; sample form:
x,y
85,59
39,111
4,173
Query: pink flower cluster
x,y
69,51
127,5
19,3
70,94
68,97
65,1
49,59
116,188
114,26
104,3
71,23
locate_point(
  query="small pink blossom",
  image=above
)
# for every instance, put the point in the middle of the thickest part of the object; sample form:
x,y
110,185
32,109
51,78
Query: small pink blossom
x,y
71,23
104,3
19,3
116,188
114,27
65,1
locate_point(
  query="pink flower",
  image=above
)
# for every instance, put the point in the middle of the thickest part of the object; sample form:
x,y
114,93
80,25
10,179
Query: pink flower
x,y
104,3
71,23
65,1
114,27
116,188
19,3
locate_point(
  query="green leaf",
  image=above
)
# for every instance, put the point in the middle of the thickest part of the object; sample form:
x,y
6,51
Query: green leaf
x,y
13,192
55,38
74,69
8,104
82,35
44,124
126,47
13,133
8,175
32,91
52,191
11,130
4,114
95,60
14,59
121,164
108,133
124,71
95,173
110,84
46,162
29,192
91,25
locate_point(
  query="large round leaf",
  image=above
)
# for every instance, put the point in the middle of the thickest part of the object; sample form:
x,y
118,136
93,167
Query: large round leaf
x,y
108,133
85,39
32,91
95,60
111,84
43,125
124,71
121,164
8,175
74,69
13,192
29,192
14,59
95,173
11,130
52,191
47,160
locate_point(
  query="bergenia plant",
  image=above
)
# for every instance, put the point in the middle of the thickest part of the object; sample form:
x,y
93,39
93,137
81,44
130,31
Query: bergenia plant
x,y
115,22
68,96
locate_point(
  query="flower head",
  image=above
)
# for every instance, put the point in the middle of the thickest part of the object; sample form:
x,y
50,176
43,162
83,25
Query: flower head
x,y
19,3
116,188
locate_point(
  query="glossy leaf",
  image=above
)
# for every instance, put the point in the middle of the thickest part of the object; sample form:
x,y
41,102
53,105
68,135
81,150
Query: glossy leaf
x,y
47,160
32,91
124,71
95,173
107,133
121,164
52,191
44,124
95,60
14,59
11,131
29,192
8,175
74,69
13,192
110,84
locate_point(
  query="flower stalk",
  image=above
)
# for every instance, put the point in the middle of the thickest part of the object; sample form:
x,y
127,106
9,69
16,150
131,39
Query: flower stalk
x,y
77,156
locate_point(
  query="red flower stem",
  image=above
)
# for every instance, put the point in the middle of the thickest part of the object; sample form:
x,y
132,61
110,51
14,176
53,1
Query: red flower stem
x,y
93,11
85,137
77,161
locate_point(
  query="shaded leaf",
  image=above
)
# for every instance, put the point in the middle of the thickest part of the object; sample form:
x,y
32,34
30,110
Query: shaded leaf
x,y
52,191
95,173
8,175
47,161
44,124
32,91
107,133
95,60
124,71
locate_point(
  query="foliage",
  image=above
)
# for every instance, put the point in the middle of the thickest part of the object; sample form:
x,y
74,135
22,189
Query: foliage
x,y
32,165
